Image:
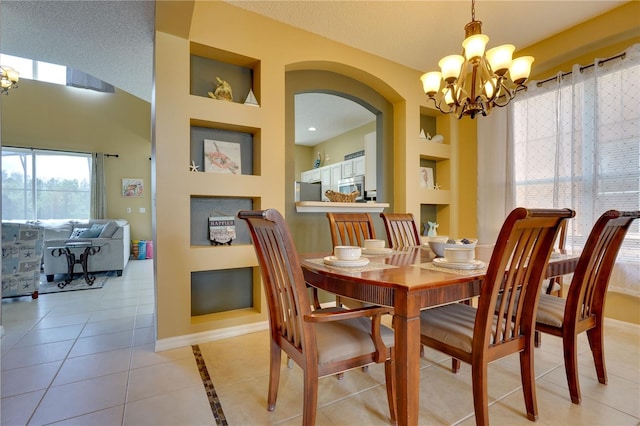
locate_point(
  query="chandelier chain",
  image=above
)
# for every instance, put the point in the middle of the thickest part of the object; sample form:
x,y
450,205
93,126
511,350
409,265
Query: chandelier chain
x,y
473,10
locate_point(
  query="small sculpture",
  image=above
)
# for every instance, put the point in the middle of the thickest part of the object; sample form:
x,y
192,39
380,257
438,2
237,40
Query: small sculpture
x,y
223,91
431,232
316,163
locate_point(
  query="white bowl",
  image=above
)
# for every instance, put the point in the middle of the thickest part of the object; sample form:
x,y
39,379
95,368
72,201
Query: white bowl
x,y
347,252
438,246
459,255
374,244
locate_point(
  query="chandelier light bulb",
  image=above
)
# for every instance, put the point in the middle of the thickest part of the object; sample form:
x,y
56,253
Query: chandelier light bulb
x,y
450,67
500,58
474,46
520,69
431,82
8,79
490,87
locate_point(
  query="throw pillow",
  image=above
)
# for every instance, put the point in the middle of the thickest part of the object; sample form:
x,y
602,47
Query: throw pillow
x,y
91,232
77,232
109,229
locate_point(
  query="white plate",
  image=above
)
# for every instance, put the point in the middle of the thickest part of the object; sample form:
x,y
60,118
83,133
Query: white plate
x,y
376,251
334,261
476,264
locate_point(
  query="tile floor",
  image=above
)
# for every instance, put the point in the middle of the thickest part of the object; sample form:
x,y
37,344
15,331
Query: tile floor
x,y
86,358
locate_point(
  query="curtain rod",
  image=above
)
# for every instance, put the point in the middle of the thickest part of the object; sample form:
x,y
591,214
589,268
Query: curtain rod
x,y
57,150
599,63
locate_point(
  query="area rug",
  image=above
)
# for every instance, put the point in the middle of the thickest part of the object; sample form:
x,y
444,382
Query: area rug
x,y
78,282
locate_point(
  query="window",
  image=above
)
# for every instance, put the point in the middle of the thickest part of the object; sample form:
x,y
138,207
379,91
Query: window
x,y
40,184
576,143
56,74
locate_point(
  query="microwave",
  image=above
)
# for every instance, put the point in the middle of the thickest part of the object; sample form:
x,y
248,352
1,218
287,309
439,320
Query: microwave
x,y
356,183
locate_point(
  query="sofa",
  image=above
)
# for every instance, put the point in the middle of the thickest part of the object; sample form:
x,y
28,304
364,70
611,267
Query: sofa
x,y
21,259
113,235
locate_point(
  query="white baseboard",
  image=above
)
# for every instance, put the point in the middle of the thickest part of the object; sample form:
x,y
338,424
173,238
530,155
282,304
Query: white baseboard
x,y
208,336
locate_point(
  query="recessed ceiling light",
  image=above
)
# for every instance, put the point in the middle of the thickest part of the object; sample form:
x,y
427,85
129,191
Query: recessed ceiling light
x,y
312,129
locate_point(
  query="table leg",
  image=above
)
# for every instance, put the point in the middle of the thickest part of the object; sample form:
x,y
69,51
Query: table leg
x,y
71,261
84,258
407,347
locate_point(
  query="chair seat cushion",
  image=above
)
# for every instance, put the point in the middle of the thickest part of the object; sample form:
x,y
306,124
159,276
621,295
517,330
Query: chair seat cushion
x,y
346,339
550,310
451,324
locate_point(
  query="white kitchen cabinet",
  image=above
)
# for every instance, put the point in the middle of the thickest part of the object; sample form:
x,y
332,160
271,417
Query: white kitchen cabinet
x,y
347,169
336,175
311,176
370,166
359,166
353,167
325,179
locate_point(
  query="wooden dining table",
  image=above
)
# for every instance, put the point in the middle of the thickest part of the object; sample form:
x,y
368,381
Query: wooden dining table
x,y
407,280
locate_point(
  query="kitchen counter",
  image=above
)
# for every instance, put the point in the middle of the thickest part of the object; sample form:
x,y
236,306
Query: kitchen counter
x,y
326,206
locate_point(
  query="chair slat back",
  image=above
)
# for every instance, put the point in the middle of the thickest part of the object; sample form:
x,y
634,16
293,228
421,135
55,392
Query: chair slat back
x,y
592,274
287,297
401,229
350,229
510,290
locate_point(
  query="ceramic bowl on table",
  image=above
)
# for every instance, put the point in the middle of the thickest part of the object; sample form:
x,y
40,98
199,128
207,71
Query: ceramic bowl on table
x,y
438,246
347,252
374,244
459,254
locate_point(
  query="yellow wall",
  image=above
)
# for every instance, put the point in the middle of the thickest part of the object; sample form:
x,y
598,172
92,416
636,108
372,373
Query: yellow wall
x,y
50,116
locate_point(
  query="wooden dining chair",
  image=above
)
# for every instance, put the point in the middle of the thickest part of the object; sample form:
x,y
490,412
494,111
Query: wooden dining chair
x,y
322,342
503,322
350,229
401,230
555,285
583,309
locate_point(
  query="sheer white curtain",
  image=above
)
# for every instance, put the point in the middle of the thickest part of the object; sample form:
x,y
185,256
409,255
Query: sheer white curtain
x,y
575,142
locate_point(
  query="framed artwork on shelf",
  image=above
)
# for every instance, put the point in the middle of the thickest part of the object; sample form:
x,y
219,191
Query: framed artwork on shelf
x,y
132,187
426,178
222,157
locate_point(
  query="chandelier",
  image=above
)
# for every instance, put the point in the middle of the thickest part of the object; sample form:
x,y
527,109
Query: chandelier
x,y
8,79
476,81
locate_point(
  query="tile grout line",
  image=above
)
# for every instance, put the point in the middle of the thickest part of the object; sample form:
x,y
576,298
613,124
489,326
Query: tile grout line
x,y
214,401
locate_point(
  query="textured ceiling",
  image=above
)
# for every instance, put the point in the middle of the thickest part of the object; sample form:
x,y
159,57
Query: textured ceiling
x,y
111,40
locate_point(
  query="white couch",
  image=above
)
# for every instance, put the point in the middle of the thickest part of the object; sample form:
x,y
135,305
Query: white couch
x,y
114,237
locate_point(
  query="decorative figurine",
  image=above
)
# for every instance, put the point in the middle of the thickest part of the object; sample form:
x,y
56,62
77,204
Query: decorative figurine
x,y
223,91
431,232
251,99
316,163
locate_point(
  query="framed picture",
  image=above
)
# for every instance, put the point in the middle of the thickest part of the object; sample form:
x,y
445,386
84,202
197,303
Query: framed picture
x,y
222,157
426,178
132,187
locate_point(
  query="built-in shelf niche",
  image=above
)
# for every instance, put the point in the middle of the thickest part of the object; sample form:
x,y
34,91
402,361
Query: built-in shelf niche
x,y
241,72
204,207
243,142
221,290
430,213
